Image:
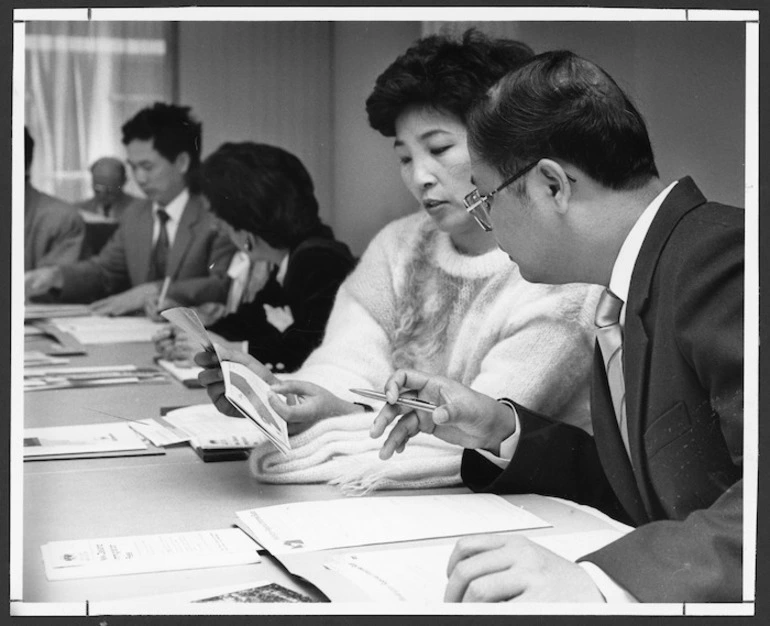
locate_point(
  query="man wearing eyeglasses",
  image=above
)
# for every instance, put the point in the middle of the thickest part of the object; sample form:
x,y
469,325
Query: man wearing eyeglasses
x,y
567,182
108,176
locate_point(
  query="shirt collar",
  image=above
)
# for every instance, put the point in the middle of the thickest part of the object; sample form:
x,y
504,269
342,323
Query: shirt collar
x,y
175,208
620,281
282,269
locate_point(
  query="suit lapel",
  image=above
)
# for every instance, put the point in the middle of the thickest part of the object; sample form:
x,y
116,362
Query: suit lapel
x,y
683,197
139,244
184,235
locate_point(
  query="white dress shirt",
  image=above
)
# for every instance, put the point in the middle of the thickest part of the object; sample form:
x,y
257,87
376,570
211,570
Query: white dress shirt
x,y
620,282
174,209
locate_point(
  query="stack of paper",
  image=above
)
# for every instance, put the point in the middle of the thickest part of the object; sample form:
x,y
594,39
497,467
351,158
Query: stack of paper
x,y
94,558
84,441
49,311
44,378
215,437
36,358
100,329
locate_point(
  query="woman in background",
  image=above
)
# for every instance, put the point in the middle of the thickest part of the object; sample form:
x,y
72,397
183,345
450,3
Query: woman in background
x,y
266,198
433,291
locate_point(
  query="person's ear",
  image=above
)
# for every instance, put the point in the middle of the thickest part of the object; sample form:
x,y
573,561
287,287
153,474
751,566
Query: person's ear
x,y
555,178
182,162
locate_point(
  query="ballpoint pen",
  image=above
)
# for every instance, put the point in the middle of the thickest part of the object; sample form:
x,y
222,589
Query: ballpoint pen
x,y
412,403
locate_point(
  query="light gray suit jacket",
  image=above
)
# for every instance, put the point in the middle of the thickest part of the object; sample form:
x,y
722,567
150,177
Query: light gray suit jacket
x,y
197,262
53,230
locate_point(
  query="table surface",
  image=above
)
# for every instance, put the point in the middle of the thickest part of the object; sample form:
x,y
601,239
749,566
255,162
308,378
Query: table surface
x,y
174,492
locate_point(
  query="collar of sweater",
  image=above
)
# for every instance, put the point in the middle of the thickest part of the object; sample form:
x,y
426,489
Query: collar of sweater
x,y
468,266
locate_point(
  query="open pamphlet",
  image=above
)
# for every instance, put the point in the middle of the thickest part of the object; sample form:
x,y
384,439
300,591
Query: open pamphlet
x,y
85,441
347,522
246,391
213,436
90,558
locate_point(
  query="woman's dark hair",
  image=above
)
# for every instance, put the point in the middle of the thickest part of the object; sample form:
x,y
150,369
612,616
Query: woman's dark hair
x,y
562,106
442,73
261,189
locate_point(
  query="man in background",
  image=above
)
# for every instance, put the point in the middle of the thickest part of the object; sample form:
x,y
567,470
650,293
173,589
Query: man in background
x,y
53,230
170,235
108,176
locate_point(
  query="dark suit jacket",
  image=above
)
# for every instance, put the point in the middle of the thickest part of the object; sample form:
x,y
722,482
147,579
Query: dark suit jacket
x,y
53,230
316,268
124,261
683,364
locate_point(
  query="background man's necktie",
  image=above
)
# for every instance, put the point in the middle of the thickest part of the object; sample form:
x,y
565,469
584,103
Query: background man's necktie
x,y
159,257
609,334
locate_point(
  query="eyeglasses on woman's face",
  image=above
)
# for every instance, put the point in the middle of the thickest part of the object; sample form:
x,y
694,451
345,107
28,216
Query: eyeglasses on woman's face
x,y
480,206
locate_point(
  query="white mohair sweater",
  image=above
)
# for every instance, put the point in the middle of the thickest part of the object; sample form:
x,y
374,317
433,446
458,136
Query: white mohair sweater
x,y
415,301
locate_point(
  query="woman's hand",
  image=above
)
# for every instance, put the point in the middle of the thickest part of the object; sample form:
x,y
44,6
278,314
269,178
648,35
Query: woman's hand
x,y
212,380
312,403
175,345
152,310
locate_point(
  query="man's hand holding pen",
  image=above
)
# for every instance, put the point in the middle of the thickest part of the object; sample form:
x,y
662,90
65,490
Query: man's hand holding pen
x,y
462,416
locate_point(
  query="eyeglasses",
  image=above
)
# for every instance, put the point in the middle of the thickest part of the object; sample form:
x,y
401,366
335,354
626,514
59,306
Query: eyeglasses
x,y
479,205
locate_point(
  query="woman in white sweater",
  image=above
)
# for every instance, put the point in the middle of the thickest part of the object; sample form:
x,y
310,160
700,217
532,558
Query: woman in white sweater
x,y
433,291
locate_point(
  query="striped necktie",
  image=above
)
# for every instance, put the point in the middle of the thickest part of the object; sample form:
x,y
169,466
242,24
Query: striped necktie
x,y
609,334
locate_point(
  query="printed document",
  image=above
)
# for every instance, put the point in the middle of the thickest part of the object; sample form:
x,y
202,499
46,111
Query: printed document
x,y
90,438
101,329
89,558
309,526
208,428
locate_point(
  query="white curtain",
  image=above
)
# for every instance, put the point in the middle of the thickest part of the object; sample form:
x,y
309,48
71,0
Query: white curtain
x,y
83,80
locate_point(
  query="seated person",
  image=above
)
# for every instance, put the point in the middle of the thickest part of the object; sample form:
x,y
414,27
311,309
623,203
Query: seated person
x,y
108,176
432,290
169,234
667,394
53,230
265,196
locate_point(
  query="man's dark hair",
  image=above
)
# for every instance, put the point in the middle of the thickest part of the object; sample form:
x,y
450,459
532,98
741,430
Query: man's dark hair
x,y
261,189
441,73
172,130
29,149
563,107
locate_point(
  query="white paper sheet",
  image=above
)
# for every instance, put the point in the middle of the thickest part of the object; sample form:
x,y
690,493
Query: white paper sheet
x,y
98,329
208,428
89,438
157,434
307,526
419,574
112,556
